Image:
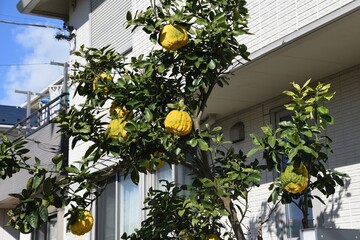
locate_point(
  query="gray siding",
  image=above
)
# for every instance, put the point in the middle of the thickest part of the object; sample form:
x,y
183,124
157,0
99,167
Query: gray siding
x,y
108,22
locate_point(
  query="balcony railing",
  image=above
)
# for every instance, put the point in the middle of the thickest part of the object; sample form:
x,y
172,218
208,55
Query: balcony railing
x,y
39,118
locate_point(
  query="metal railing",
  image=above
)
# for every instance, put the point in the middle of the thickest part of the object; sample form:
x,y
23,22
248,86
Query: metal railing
x,y
40,117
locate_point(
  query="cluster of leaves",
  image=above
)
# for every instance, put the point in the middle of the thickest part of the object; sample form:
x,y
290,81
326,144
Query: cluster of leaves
x,y
12,156
58,186
172,214
302,140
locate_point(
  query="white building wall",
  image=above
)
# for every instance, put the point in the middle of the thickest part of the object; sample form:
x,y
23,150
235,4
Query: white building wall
x,y
80,18
340,210
271,20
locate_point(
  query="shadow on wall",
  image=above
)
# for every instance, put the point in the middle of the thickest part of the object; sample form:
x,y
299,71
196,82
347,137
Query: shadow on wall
x,y
269,218
331,211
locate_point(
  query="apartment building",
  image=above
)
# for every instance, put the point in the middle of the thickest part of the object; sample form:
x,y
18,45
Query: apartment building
x,y
292,41
32,120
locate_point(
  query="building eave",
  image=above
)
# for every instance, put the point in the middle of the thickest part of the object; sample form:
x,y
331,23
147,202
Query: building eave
x,y
322,48
45,8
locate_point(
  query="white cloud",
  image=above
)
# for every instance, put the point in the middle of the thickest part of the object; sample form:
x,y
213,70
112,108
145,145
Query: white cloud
x,y
40,46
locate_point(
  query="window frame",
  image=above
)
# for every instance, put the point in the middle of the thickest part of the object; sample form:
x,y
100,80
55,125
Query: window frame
x,y
45,228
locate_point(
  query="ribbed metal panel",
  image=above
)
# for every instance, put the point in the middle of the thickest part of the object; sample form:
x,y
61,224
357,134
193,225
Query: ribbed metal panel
x,y
108,22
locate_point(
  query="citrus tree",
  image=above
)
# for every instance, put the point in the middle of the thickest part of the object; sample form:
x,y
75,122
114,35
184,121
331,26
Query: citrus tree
x,y
298,149
146,111
143,112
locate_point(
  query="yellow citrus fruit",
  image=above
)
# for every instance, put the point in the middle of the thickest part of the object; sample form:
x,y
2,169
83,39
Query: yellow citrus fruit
x,y
102,78
116,127
294,180
118,112
82,226
173,37
178,122
212,237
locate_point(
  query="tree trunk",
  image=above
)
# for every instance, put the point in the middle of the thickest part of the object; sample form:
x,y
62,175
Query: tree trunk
x,y
305,220
234,221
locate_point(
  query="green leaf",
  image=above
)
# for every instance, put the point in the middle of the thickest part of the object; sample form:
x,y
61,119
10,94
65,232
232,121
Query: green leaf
x,y
181,212
37,182
207,182
192,142
323,110
267,130
255,139
72,169
33,218
15,195
148,115
327,118
128,16
90,150
161,68
212,65
292,153
272,141
58,158
43,213
135,176
274,195
253,151
47,187
289,93
203,145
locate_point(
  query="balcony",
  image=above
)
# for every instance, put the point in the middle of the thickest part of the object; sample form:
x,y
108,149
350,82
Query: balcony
x,y
44,142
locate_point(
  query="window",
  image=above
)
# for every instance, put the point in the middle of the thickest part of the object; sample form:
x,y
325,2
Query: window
x,y
118,209
293,214
47,231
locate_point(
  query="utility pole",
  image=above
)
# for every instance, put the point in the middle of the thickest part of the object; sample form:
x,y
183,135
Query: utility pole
x,y
65,65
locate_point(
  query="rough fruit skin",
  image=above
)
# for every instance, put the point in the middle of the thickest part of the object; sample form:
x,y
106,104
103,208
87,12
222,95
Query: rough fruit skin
x,y
294,180
178,122
173,37
116,127
212,237
102,77
82,226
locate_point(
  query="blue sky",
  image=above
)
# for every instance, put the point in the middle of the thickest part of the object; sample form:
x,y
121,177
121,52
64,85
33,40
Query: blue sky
x,y
25,54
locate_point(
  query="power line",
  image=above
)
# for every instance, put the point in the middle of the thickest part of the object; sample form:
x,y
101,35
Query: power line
x,y
11,16
22,64
30,24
